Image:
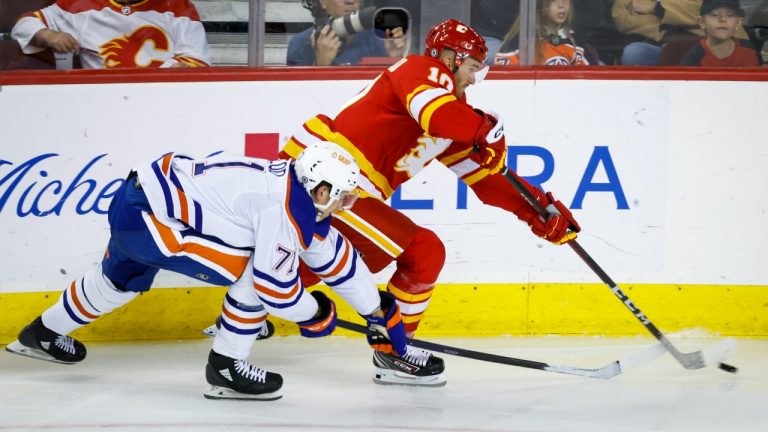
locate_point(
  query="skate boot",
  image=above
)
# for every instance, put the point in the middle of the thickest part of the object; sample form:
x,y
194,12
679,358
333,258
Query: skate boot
x,y
417,367
39,342
267,330
238,379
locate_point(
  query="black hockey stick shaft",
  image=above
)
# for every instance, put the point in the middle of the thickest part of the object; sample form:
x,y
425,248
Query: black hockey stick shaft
x,y
690,361
608,371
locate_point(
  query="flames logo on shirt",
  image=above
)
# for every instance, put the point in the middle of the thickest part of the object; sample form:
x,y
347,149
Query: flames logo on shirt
x,y
426,149
124,52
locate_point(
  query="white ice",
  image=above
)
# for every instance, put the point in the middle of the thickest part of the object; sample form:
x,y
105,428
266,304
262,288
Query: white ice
x,y
156,386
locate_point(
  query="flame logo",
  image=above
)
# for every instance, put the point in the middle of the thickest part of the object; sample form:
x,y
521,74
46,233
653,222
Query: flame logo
x,y
124,52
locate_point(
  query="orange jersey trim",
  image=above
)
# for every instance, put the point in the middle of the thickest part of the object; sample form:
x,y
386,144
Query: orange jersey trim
x,y
232,263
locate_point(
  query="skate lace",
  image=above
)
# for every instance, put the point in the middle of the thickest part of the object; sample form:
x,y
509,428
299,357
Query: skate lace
x,y
250,371
417,356
66,344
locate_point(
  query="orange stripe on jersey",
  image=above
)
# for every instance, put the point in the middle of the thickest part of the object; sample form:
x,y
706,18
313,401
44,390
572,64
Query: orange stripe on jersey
x,y
317,126
234,264
341,264
276,294
242,320
73,291
287,204
426,113
167,163
183,203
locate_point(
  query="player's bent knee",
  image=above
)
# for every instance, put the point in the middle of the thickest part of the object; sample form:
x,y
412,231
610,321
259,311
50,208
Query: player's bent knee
x,y
425,256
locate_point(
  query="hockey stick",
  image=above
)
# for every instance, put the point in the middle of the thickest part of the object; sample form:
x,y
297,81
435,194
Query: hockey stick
x,y
608,371
715,353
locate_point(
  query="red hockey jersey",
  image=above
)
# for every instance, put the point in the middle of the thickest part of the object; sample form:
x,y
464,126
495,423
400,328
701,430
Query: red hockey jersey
x,y
399,123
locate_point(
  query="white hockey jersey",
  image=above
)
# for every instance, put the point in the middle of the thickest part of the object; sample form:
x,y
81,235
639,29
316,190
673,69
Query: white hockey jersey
x,y
259,205
150,33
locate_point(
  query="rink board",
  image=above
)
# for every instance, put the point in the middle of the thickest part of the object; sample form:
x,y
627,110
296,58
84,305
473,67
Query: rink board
x,y
482,310
670,196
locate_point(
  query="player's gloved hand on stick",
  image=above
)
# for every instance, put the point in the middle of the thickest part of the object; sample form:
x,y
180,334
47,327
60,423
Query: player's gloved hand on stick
x,y
324,323
556,228
490,145
387,333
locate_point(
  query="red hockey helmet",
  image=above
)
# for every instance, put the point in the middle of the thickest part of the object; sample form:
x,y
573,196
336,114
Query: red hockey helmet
x,y
456,36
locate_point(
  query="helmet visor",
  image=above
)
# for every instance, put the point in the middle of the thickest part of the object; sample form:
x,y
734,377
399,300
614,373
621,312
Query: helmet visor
x,y
349,198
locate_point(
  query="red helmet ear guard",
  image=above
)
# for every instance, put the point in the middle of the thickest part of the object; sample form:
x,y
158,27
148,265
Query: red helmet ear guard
x,y
456,36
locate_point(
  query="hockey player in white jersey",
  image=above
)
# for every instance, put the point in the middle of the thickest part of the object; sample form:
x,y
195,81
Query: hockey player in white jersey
x,y
236,221
118,34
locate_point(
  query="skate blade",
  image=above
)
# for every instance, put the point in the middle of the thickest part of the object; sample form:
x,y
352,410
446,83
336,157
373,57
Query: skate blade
x,y
390,377
16,347
211,331
216,392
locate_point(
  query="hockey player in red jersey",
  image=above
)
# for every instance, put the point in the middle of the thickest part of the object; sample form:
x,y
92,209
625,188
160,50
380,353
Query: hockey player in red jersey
x,y
414,112
236,221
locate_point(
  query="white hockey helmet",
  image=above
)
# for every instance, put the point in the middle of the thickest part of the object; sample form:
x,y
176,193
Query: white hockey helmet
x,y
328,162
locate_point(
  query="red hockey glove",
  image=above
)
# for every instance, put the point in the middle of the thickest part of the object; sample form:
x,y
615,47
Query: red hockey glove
x,y
387,334
490,145
556,228
323,325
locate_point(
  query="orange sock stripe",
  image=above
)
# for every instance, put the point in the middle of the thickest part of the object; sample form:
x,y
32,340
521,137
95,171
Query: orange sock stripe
x,y
76,301
242,320
276,294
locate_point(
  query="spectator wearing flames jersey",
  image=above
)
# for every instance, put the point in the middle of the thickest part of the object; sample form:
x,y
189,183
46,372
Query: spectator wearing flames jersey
x,y
415,112
720,19
118,33
555,42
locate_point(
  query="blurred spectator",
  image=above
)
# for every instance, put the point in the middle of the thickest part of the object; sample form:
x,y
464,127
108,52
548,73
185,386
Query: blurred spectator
x,y
593,23
555,42
492,20
658,22
720,19
118,33
323,46
757,23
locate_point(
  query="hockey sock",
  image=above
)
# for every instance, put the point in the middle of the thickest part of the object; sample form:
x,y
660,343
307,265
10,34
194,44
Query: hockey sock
x,y
412,298
240,325
83,301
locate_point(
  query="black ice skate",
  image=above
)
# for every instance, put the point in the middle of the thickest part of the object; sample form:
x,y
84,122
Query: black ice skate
x,y
39,342
266,332
417,367
238,379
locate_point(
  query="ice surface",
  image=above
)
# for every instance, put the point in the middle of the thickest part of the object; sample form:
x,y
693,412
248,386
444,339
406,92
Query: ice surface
x,y
154,386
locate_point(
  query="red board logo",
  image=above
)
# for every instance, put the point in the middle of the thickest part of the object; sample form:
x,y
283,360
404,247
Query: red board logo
x,y
262,145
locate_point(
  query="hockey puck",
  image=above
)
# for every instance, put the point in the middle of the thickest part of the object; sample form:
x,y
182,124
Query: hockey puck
x,y
728,368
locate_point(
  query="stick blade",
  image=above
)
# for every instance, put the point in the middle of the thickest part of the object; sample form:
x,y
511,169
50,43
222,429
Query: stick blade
x,y
606,372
